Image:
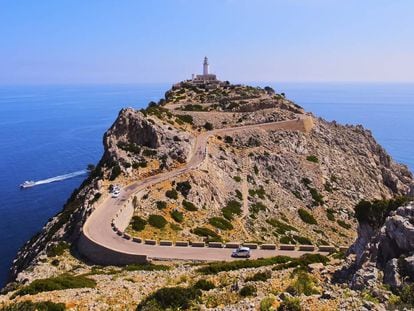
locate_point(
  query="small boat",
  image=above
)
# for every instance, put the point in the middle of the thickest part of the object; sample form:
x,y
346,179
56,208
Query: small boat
x,y
27,184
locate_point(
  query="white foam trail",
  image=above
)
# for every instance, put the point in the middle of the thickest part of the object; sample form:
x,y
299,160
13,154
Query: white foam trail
x,y
59,178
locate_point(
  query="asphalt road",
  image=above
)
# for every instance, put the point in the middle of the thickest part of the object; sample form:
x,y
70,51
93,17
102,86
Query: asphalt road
x,y
98,225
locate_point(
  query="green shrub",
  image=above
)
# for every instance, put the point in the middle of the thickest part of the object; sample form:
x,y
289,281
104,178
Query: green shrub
x,y
259,192
344,224
290,304
57,249
307,217
239,195
208,126
237,178
172,194
316,196
146,267
192,107
177,216
232,208
267,304
248,290
115,172
228,139
138,223
375,212
189,206
34,306
161,204
142,163
312,158
281,227
256,169
257,207
206,232
149,152
130,147
330,214
64,281
220,223
286,240
185,118
304,284
302,240
260,276
407,295
157,221
204,285
175,298
184,187
216,267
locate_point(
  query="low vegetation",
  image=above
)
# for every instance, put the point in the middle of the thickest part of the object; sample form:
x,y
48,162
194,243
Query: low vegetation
x,y
146,267
177,216
34,306
207,233
64,281
280,261
290,304
260,276
204,285
232,208
307,217
374,213
189,206
183,187
281,227
312,158
57,249
172,298
172,194
303,284
220,223
161,204
157,221
248,290
138,223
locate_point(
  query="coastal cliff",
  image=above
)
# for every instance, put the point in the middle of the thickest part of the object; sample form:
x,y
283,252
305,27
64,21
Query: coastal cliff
x,y
293,185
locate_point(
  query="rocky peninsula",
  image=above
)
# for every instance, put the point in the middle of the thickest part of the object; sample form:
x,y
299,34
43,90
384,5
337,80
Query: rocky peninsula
x,y
224,163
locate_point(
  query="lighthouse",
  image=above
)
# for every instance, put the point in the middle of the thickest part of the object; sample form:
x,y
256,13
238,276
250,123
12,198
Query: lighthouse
x,y
205,66
206,77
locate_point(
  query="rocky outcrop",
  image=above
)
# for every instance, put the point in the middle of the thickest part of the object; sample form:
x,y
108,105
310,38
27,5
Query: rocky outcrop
x,y
134,137
384,254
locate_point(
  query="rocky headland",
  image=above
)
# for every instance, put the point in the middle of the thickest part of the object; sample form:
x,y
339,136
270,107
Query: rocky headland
x,y
308,182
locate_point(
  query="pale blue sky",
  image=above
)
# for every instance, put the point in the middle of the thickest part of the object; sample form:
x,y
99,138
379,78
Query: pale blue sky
x,y
129,41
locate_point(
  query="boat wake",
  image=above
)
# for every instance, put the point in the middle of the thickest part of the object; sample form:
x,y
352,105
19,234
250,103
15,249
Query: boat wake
x,y
28,184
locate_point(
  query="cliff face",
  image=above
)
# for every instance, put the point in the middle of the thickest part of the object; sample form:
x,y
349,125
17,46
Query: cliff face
x,y
382,253
290,186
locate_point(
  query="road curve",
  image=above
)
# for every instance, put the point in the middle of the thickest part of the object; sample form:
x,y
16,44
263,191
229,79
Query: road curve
x,y
97,229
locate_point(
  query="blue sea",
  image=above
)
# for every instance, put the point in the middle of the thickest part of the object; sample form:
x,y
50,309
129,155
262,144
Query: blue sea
x,y
49,131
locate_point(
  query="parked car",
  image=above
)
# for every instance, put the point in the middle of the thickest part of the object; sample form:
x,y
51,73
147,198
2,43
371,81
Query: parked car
x,y
241,252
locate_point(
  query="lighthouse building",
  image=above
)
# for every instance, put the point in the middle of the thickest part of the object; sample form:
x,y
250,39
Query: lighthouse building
x,y
206,77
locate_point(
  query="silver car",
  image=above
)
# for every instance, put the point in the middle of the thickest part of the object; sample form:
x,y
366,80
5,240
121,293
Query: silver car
x,y
241,252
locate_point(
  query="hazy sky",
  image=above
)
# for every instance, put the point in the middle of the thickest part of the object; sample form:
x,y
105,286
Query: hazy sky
x,y
127,41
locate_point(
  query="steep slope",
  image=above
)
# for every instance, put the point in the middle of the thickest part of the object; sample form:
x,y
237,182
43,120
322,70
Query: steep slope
x,y
294,184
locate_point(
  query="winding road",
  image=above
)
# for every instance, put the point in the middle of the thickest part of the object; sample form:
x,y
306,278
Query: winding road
x,y
97,229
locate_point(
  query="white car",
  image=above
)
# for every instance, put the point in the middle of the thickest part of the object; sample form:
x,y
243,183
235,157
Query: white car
x,y
241,252
115,194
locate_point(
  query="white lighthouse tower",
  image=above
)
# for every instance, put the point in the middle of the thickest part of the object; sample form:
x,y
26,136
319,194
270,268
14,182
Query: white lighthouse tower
x,y
205,66
206,77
